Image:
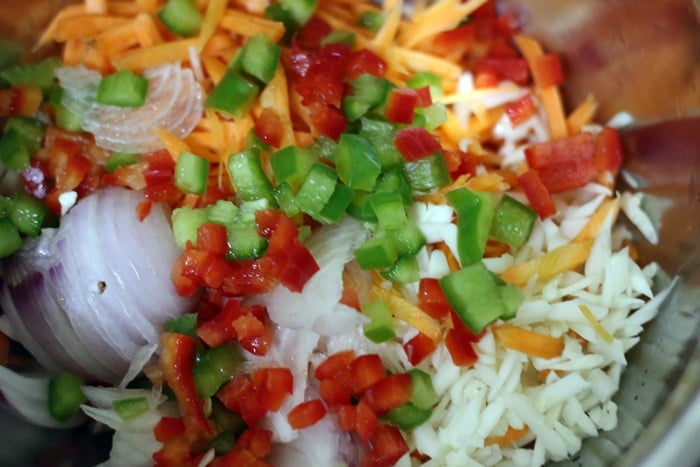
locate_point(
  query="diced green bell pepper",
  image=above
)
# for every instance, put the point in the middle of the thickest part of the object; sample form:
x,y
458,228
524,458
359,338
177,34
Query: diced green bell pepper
x,y
403,271
260,57
214,367
423,393
475,211
226,419
186,220
31,131
372,20
427,173
408,238
234,95
408,417
123,88
317,189
14,154
388,208
338,36
39,74
291,164
222,443
120,159
65,396
430,117
244,241
286,199
335,208
10,239
381,134
426,78
394,180
27,213
191,173
356,162
66,119
380,327
223,212
183,324
368,92
379,252
248,176
512,222
181,17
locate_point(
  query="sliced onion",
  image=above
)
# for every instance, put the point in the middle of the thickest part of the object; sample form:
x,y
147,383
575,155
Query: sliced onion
x,y
87,297
174,104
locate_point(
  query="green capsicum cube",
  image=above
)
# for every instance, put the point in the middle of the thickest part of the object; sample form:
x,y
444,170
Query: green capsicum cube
x,y
214,367
377,253
407,417
286,199
380,327
119,159
394,180
408,238
248,176
65,118
186,220
335,208
244,241
10,239
381,134
427,173
27,213
388,208
300,10
234,95
181,17
191,173
14,154
260,57
427,78
317,189
512,299
368,92
356,162
291,164
130,408
65,396
512,222
430,117
39,74
475,211
403,271
123,88
324,147
184,324
423,393
474,295
30,130
222,212
359,208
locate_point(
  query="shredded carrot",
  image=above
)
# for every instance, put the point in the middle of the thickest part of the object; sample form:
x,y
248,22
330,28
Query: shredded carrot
x,y
96,6
408,312
83,52
215,68
582,115
167,52
385,36
276,96
542,375
564,258
441,16
510,437
50,32
591,230
527,341
214,13
452,261
550,96
173,144
595,324
85,26
245,24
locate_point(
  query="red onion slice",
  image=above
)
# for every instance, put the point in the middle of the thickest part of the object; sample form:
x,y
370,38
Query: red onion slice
x,y
174,104
86,297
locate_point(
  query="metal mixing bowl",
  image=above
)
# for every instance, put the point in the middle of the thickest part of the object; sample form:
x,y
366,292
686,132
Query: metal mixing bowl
x,y
642,57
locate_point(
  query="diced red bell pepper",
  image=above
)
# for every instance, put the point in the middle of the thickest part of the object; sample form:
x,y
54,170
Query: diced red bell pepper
x,y
521,110
415,143
328,120
366,421
459,342
258,441
235,391
306,414
273,386
212,238
389,392
505,68
366,370
364,61
335,363
169,428
431,298
388,446
268,127
20,100
347,417
312,33
219,329
608,150
334,394
537,194
563,164
418,348
401,105
177,362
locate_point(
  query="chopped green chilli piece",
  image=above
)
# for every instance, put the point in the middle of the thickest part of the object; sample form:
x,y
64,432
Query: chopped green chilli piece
x,y
183,324
186,220
512,222
10,239
234,95
356,162
380,327
39,74
475,211
191,173
408,417
120,159
181,17
65,396
214,367
260,57
130,408
123,88
291,164
248,176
